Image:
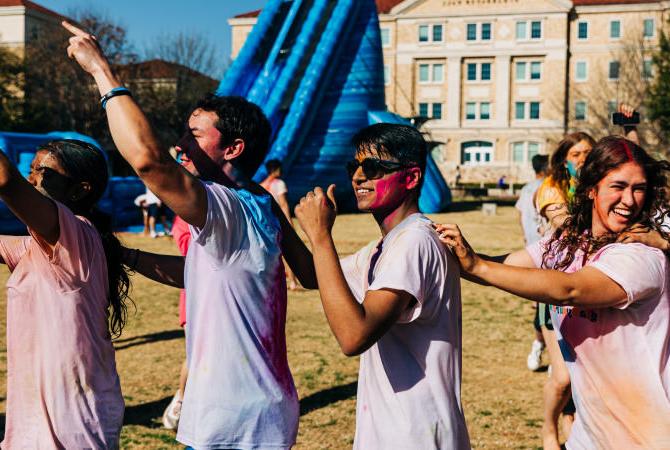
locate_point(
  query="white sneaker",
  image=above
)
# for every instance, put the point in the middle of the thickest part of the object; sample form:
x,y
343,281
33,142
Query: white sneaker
x,y
172,413
153,235
534,360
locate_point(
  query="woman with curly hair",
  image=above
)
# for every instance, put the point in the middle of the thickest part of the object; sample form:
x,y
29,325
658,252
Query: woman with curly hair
x,y
65,300
610,301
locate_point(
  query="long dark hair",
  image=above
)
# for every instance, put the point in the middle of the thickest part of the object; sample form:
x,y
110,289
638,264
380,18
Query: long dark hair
x,y
82,162
608,154
557,169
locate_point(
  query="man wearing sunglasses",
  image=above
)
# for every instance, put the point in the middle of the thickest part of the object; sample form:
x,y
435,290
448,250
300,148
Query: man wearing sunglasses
x,y
396,302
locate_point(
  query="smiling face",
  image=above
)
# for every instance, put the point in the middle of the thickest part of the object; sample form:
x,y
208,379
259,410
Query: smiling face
x,y
386,193
202,139
618,199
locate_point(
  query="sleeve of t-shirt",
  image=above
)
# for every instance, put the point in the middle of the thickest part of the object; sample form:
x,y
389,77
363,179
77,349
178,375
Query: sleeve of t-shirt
x,y
279,187
12,249
548,195
76,249
353,267
224,225
638,269
409,264
536,251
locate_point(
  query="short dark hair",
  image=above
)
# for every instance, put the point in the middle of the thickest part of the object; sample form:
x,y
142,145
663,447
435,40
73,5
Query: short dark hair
x,y
241,119
272,164
401,142
540,163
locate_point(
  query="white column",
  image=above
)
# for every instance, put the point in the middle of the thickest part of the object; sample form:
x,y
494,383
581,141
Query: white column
x,y
503,87
454,92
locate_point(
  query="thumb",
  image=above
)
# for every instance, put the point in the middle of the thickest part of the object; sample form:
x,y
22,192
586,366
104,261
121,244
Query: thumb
x,y
330,193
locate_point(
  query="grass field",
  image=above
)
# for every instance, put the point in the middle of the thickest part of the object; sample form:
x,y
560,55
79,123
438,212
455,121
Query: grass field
x,y
501,398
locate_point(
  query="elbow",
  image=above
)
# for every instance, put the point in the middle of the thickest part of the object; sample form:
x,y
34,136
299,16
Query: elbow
x,y
144,166
352,346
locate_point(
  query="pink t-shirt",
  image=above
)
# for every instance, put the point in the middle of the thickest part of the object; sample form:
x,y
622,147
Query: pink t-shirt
x,y
618,356
409,381
182,237
63,390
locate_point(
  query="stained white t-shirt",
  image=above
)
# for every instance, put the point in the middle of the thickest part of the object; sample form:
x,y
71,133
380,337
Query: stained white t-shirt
x,y
409,383
240,392
618,356
530,218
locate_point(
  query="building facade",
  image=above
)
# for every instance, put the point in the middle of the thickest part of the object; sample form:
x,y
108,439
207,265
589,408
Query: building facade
x,y
503,80
22,22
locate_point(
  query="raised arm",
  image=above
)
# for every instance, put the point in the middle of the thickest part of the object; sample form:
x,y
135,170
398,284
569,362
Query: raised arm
x,y
587,287
355,326
32,208
134,138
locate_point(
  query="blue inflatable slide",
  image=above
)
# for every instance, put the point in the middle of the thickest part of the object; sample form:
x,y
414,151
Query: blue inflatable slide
x,y
315,68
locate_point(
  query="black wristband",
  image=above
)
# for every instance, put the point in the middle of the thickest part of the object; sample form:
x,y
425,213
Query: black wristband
x,y
113,93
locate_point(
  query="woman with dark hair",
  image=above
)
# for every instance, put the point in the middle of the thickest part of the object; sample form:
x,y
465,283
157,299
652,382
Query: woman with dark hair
x,y
65,300
610,302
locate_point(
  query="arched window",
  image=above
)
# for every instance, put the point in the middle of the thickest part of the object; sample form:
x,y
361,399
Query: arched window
x,y
475,153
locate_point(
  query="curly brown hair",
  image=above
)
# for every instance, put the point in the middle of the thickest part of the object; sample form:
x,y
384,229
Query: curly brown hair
x,y
607,154
557,169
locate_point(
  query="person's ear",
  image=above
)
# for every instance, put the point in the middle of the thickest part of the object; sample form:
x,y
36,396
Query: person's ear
x,y
413,177
592,193
233,150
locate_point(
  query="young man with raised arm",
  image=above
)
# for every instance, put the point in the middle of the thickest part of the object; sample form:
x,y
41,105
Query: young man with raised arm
x,y
240,392
396,302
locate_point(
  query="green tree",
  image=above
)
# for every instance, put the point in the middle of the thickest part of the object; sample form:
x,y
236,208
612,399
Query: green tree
x,y
658,100
11,90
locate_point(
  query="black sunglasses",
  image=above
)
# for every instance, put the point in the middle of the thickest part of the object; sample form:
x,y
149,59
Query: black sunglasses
x,y
374,168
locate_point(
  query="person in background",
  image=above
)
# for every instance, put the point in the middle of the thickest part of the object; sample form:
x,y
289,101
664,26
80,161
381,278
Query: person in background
x,y
530,223
277,188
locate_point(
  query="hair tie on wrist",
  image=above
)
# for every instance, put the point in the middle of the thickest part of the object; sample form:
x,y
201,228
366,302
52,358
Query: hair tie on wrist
x,y
113,93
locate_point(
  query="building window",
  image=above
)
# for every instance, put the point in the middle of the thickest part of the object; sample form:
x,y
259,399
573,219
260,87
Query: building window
x,y
486,32
615,29
613,72
386,37
476,152
523,152
582,30
528,70
484,71
423,33
581,71
522,27
648,28
423,109
532,109
387,75
612,107
580,110
470,111
437,110
521,31
431,73
536,29
647,69
519,110
472,32
484,111
437,33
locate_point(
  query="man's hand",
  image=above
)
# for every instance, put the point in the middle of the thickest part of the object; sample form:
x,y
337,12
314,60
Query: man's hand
x,y
316,212
84,49
644,235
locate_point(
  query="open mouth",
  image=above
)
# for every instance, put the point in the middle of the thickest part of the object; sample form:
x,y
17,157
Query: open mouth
x,y
622,212
363,191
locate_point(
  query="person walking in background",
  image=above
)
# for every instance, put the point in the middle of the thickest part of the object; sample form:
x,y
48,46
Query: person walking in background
x,y
530,223
277,188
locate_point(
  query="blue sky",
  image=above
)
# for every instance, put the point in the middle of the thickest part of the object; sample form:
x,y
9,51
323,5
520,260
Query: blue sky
x,y
146,20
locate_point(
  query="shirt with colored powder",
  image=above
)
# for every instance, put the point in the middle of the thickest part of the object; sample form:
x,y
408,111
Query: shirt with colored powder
x,y
276,187
240,392
549,193
618,357
182,237
63,389
409,383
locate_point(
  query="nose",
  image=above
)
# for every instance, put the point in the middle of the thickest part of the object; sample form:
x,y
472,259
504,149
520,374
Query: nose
x,y
627,197
359,176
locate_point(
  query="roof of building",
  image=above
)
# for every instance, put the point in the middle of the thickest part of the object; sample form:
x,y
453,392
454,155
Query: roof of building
x,y
31,5
385,6
158,69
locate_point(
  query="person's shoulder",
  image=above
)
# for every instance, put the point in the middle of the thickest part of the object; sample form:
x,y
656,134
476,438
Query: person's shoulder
x,y
632,249
416,232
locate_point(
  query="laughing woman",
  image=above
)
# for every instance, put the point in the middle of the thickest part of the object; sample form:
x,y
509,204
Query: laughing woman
x,y
64,296
610,301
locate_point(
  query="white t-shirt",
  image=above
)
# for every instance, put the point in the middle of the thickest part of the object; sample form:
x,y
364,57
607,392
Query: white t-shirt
x,y
409,382
276,187
240,392
618,356
530,219
151,199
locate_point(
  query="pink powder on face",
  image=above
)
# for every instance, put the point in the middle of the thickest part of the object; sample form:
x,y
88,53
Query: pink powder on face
x,y
389,191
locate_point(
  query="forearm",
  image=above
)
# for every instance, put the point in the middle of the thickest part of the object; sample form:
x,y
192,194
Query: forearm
x,y
164,269
345,315
297,255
